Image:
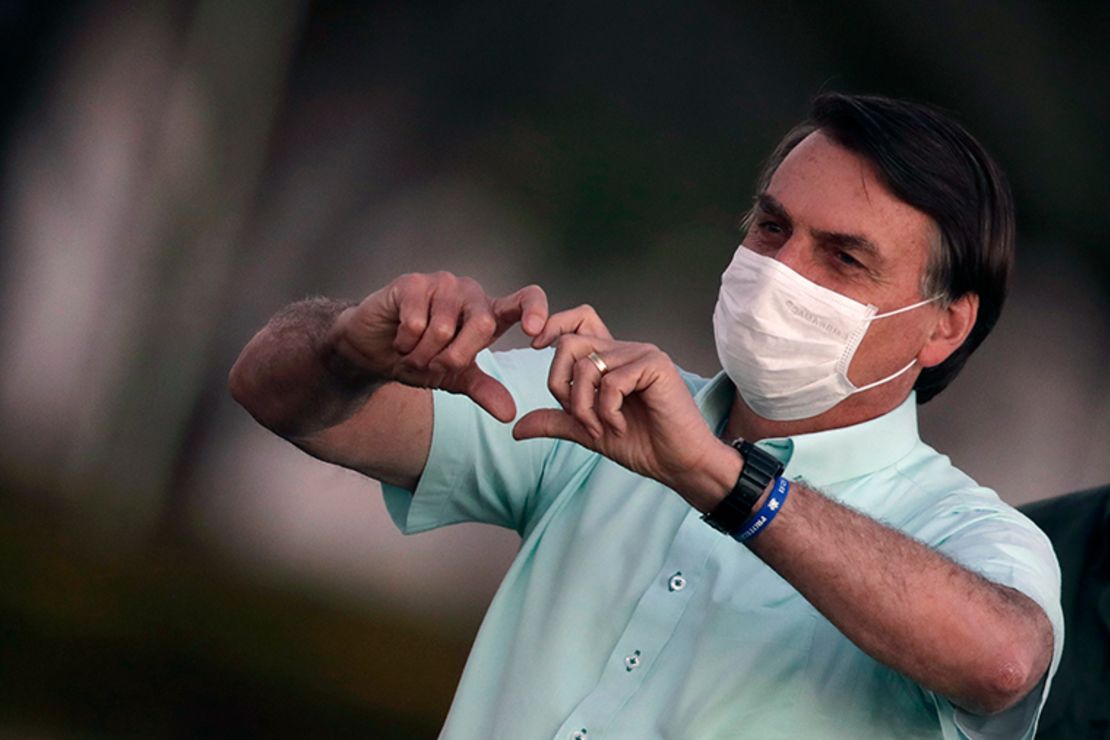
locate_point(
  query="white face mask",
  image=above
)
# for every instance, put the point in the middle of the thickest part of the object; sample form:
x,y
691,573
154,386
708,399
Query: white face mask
x,y
787,342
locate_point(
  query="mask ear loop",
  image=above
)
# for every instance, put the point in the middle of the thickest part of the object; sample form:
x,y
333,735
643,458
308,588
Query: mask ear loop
x,y
910,307
913,362
887,379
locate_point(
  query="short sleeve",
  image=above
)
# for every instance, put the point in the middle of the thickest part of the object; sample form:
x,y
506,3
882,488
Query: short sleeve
x,y
1005,547
476,471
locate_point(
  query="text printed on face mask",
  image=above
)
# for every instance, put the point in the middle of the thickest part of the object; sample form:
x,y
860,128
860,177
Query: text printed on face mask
x,y
806,315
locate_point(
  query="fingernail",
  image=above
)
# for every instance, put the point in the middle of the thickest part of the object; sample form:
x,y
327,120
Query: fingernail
x,y
532,324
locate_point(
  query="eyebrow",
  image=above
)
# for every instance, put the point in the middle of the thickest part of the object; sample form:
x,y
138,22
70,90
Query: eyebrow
x,y
770,205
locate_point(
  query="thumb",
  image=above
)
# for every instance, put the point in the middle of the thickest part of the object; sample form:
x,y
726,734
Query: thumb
x,y
551,423
488,393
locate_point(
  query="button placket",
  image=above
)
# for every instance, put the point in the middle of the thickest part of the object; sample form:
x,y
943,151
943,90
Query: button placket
x,y
651,624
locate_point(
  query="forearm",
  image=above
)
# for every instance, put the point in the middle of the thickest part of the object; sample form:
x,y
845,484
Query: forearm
x,y
289,376
982,645
351,384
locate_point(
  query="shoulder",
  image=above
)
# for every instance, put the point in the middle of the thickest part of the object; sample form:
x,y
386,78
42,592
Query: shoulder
x,y
1078,524
942,505
1076,515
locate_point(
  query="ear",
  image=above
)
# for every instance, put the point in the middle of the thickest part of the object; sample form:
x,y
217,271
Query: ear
x,y
953,325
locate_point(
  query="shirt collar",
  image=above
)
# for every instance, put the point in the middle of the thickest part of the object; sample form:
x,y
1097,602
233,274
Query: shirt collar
x,y
831,456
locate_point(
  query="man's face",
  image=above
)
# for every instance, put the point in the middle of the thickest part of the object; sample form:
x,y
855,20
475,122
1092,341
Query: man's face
x,y
827,216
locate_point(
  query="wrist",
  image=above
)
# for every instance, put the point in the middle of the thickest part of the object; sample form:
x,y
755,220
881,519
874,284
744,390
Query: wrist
x,y
709,482
757,474
759,502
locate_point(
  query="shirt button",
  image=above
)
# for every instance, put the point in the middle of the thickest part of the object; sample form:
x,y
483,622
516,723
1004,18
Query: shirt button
x,y
677,582
632,661
579,735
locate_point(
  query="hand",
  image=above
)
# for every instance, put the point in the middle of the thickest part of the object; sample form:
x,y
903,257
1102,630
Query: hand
x,y
638,413
425,330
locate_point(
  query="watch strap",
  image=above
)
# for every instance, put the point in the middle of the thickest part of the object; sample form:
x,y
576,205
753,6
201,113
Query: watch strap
x,y
760,469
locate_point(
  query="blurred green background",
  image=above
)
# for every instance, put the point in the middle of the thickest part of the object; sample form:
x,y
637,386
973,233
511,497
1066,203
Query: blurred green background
x,y
175,172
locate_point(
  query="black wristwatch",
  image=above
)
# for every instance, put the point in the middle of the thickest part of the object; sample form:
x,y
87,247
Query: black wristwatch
x,y
760,469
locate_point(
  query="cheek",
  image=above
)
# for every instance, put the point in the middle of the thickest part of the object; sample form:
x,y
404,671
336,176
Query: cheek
x,y
887,347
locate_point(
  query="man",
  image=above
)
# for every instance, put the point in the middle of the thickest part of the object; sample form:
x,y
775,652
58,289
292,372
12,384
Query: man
x,y
878,591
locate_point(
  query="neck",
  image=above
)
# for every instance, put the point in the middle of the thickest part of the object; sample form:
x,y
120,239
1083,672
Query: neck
x,y
856,409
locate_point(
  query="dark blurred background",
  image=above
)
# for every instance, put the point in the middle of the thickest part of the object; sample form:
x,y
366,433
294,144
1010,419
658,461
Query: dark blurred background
x,y
175,172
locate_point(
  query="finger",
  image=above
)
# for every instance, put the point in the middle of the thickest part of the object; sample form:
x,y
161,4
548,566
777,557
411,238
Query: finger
x,y
583,395
588,377
475,334
443,325
610,399
527,305
551,423
613,388
570,349
413,300
580,320
488,393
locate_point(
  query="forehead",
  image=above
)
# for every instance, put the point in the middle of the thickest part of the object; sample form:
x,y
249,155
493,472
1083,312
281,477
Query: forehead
x,y
825,187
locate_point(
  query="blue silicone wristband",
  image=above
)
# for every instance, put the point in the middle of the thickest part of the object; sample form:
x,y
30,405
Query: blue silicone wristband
x,y
771,507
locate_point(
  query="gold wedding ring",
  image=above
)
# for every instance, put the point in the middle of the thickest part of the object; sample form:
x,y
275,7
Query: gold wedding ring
x,y
599,363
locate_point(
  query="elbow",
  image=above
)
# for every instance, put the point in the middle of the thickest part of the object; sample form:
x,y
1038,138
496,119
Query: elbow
x,y
1013,664
1009,679
238,384
244,384
1008,684
269,402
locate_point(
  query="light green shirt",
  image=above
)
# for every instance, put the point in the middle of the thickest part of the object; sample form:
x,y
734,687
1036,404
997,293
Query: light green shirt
x,y
626,616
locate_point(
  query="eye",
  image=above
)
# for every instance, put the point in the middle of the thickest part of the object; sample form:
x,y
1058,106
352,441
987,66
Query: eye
x,y
846,259
771,227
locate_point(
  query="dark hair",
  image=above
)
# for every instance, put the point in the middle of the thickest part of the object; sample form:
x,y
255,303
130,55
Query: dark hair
x,y
932,163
